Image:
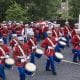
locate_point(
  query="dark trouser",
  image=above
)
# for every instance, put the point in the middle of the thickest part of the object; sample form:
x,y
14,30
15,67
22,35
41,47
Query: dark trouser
x,y
68,38
32,58
44,34
21,71
5,39
37,37
76,55
10,36
50,63
2,73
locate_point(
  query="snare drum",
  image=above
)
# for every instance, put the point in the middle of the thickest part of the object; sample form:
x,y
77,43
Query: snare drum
x,y
58,57
63,39
9,62
39,53
30,68
61,44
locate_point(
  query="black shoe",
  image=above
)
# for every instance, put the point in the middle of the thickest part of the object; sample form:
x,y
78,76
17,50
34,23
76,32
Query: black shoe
x,y
75,61
54,73
48,70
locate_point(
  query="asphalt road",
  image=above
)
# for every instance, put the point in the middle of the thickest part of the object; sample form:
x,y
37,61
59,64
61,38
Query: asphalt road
x,y
65,71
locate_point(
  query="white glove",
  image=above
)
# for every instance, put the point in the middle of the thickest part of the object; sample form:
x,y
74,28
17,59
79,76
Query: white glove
x,y
2,57
54,46
28,57
50,47
7,56
21,57
23,60
56,39
16,44
34,47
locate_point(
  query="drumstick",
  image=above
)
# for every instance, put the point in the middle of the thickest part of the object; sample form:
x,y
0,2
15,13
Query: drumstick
x,y
70,62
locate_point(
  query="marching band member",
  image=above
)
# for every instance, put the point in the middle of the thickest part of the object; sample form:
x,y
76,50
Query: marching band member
x,y
10,29
14,40
37,32
4,33
18,29
21,53
76,47
28,30
4,53
49,44
32,42
43,30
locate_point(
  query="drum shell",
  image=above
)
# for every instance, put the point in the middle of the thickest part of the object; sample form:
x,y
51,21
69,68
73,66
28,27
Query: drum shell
x,y
57,59
38,55
28,72
61,46
8,65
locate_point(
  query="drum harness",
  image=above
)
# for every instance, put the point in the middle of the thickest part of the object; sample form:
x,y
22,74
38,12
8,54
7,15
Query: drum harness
x,y
24,58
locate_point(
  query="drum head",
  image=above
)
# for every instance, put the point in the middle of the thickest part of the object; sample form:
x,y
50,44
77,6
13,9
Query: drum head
x,y
59,55
39,51
9,61
62,43
30,67
64,39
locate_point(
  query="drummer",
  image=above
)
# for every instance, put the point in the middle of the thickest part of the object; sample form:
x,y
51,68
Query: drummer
x,y
4,51
49,44
32,42
21,55
76,47
14,40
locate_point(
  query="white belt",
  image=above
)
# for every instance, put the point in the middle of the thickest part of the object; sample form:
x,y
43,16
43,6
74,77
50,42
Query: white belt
x,y
50,47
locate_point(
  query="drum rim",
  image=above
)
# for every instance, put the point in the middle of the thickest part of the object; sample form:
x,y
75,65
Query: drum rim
x,y
8,61
39,51
59,54
62,42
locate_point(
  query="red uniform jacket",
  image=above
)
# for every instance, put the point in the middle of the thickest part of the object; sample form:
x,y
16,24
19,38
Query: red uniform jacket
x,y
10,29
36,31
76,42
73,33
32,42
18,30
43,29
6,50
46,43
55,33
13,42
4,32
17,52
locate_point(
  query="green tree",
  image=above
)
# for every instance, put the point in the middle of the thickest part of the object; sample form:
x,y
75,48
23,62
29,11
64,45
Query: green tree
x,y
16,12
4,5
74,8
